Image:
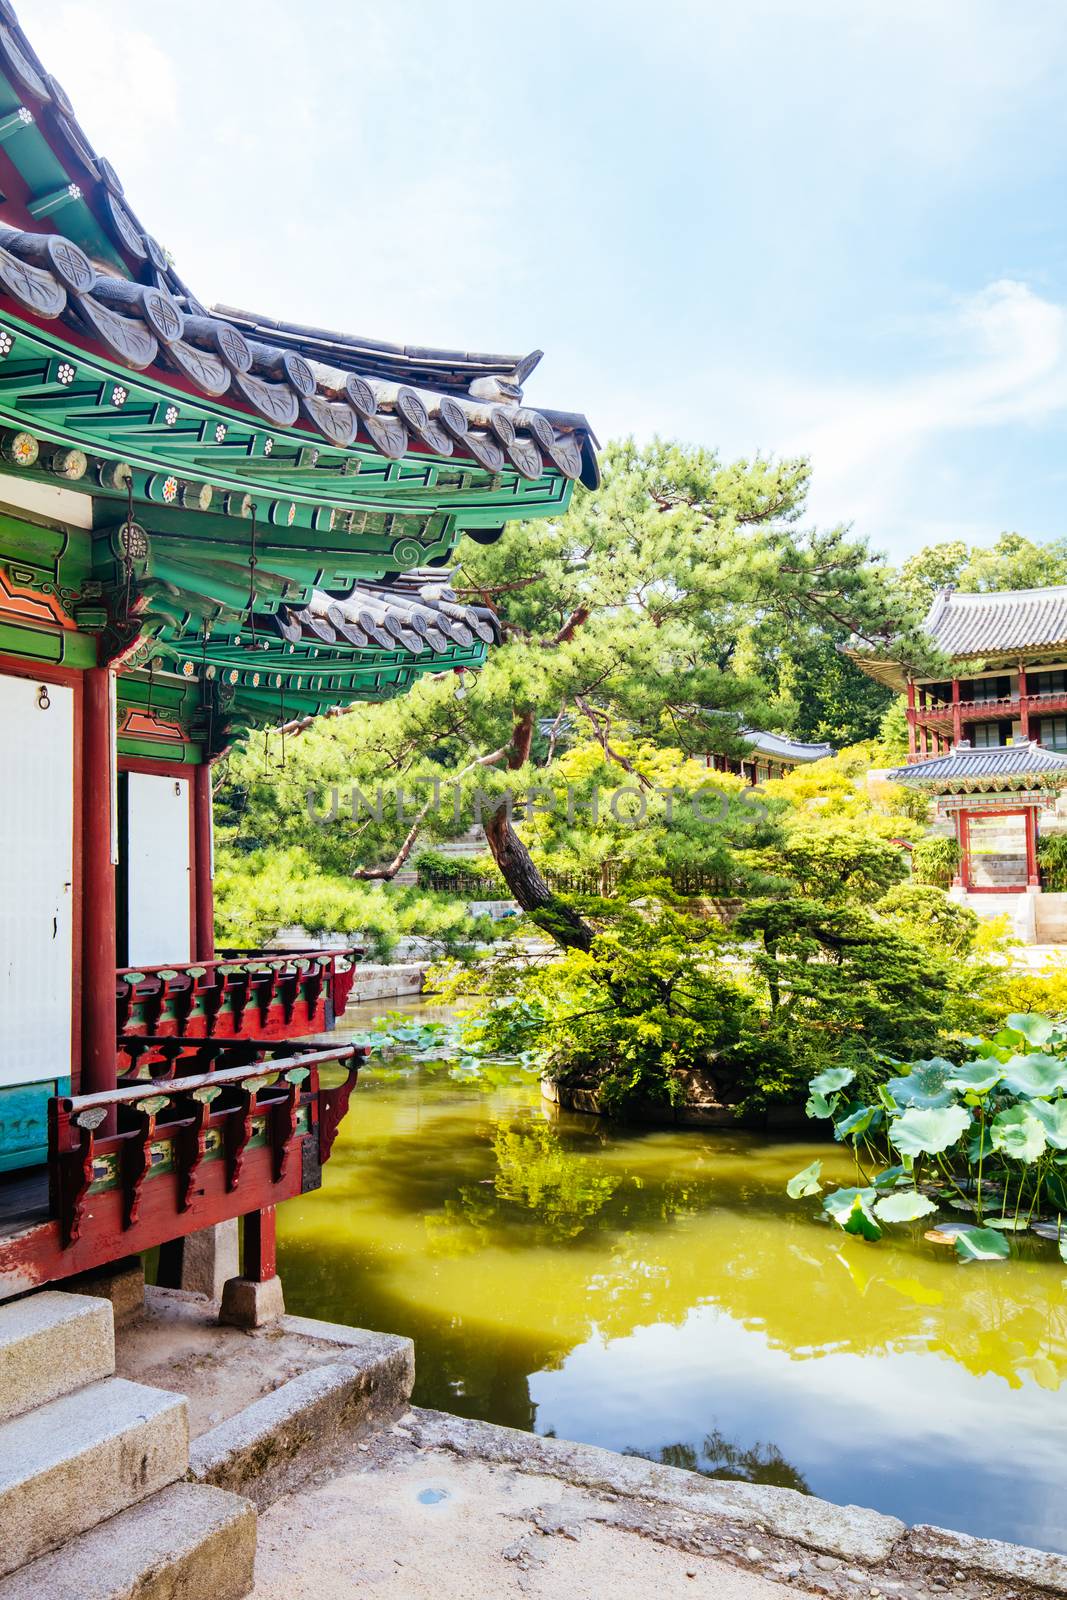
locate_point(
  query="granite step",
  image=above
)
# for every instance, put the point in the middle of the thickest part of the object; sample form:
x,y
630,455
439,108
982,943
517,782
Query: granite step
x,y
184,1543
70,1464
51,1344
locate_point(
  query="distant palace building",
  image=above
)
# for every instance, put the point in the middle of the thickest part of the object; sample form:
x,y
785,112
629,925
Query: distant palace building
x,y
989,743
769,755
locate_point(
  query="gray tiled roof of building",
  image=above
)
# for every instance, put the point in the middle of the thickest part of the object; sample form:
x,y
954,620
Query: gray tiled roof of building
x,y
986,624
1008,764
777,744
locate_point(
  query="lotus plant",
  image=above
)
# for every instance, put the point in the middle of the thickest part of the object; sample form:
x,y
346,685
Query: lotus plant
x,y
987,1136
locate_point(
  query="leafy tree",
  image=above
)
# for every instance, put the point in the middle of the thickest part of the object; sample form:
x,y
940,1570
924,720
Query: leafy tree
x,y
641,614
1014,562
837,860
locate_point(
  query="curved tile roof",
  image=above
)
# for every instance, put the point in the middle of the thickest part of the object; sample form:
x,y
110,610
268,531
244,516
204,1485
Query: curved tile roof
x,y
416,611
778,744
1007,766
988,624
76,250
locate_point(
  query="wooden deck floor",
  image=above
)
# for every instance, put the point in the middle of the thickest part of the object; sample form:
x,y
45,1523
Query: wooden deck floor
x,y
23,1199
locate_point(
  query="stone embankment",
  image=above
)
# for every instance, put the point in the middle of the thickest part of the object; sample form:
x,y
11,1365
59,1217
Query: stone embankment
x,y
439,1507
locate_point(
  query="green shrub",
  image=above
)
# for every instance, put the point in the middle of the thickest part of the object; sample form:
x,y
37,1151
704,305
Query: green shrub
x,y
1052,859
836,859
430,862
930,916
935,861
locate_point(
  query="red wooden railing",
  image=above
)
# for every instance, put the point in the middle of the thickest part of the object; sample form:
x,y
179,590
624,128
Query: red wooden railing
x,y
262,996
940,712
166,1156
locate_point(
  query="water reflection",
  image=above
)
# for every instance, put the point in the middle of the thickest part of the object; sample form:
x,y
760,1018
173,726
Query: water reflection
x,y
718,1457
656,1292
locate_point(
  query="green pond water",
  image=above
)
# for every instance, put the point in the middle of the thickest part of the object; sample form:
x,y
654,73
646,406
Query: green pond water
x,y
655,1291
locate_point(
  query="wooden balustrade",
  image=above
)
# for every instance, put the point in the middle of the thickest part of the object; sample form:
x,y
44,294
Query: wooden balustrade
x,y
176,1128
940,713
266,996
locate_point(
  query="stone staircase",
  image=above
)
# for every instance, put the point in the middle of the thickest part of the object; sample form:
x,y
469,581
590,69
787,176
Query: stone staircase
x,y
92,1506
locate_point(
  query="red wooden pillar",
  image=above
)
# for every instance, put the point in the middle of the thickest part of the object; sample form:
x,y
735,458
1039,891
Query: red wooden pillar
x,y
910,714
924,748
962,880
261,1261
99,1048
204,889
1033,876
957,715
1024,704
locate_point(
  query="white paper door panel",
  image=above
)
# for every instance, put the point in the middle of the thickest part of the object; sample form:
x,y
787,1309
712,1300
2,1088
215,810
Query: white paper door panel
x,y
158,870
36,873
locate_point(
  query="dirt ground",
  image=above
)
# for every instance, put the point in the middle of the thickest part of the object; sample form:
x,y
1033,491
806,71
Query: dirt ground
x,y
178,1344
430,1526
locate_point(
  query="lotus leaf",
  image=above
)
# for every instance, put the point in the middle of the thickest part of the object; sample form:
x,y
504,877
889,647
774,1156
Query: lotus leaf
x,y
851,1210
903,1207
1035,1076
1007,1224
806,1182
1018,1133
1053,1118
981,1244
920,1132
980,1144
1034,1028
890,1176
817,1105
976,1077
858,1122
833,1078
926,1085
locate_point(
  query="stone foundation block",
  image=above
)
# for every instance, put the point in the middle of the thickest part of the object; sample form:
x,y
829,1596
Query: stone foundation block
x,y
121,1282
248,1304
1017,1564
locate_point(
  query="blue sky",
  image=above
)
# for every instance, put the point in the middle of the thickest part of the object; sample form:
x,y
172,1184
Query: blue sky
x,y
835,226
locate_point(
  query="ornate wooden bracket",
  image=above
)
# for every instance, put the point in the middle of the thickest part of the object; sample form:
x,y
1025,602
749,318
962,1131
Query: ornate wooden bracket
x,y
73,1138
190,1143
136,1155
333,1103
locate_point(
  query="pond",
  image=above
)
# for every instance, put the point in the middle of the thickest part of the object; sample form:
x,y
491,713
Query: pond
x,y
655,1291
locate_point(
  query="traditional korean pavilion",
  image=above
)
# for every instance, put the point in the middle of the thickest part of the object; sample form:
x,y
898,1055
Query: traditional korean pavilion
x,y
989,742
770,755
210,521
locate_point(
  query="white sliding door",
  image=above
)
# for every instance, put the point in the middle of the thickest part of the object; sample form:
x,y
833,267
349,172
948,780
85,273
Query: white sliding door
x,y
158,870
36,878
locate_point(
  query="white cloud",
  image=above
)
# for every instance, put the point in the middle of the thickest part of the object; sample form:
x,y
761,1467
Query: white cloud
x,y
120,79
882,447
996,358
